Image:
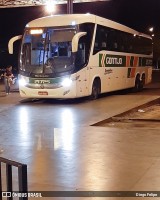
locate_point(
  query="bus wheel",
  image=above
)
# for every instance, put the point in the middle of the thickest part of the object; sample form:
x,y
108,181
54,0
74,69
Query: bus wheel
x,y
96,89
137,84
142,82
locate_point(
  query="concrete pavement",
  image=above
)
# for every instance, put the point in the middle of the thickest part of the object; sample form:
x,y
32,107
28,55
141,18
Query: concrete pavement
x,y
83,158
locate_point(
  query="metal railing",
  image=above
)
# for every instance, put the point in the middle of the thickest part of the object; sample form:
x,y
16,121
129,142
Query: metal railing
x,y
22,178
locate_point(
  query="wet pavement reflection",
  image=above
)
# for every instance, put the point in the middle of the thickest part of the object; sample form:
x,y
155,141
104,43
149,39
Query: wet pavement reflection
x,y
64,152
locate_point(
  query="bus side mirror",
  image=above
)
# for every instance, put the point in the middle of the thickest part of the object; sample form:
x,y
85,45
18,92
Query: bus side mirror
x,y
75,41
11,41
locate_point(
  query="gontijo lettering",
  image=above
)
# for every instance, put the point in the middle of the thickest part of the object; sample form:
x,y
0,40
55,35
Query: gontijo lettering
x,y
113,61
106,60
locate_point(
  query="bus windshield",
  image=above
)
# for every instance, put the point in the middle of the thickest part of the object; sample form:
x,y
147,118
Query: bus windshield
x,y
47,51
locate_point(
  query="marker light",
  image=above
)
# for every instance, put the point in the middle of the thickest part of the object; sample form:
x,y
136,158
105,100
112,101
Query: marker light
x,y
73,23
66,82
36,31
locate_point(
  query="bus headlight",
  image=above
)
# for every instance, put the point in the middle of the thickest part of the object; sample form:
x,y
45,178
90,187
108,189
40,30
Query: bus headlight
x,y
66,82
22,82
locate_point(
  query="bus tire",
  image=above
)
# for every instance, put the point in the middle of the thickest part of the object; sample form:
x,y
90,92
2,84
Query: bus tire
x,y
96,89
142,82
137,84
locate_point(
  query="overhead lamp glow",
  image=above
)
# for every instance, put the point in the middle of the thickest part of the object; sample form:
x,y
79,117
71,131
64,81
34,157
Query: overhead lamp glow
x,y
50,6
151,29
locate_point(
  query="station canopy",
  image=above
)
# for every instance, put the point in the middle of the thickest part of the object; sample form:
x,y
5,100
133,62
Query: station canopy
x,y
21,3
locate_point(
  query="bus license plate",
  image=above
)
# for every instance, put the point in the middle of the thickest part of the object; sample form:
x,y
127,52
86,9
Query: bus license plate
x,y
42,93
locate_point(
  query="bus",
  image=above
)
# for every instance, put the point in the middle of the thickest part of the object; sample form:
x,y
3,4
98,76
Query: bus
x,y
77,55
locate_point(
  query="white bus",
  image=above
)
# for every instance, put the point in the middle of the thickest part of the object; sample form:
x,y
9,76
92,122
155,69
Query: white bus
x,y
77,55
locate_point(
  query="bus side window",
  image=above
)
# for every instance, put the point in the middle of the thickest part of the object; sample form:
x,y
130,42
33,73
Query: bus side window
x,y
96,47
103,39
103,45
100,40
110,41
26,53
81,53
115,45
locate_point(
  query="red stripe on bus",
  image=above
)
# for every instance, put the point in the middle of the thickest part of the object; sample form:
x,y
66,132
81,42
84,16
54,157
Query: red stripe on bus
x,y
135,63
128,61
133,72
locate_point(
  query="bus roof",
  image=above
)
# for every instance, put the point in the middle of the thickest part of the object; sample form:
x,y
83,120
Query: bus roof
x,y
73,19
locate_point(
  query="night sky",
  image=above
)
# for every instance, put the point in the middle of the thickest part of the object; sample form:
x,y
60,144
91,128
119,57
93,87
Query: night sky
x,y
137,14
